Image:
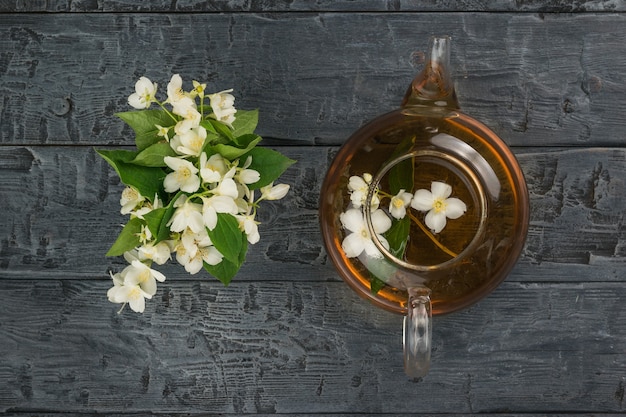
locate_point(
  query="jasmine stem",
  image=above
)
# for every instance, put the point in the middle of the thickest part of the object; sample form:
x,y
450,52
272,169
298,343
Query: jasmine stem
x,y
162,105
431,236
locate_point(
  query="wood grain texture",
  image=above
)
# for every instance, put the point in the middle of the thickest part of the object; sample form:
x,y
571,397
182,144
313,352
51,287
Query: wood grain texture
x,y
61,208
285,347
537,80
288,337
557,6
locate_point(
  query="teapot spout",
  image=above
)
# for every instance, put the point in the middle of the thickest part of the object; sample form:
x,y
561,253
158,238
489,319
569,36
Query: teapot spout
x,y
433,86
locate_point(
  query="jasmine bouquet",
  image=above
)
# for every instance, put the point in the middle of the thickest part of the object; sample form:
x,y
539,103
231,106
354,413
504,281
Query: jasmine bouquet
x,y
193,186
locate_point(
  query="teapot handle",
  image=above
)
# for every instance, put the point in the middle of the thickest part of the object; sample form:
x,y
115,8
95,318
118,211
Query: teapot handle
x,y
417,333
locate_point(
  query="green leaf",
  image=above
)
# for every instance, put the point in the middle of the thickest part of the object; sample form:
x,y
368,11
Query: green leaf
x,y
376,284
144,122
269,163
244,144
226,237
226,270
153,155
154,219
128,238
397,236
245,122
401,177
222,129
147,180
157,220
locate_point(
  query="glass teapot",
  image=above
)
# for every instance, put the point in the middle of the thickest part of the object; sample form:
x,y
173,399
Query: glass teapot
x,y
424,210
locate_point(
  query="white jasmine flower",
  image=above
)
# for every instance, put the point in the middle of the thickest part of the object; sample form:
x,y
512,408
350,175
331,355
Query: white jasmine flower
x,y
217,204
244,196
212,169
245,175
144,95
191,116
159,253
182,104
132,295
222,201
360,239
210,255
198,89
175,89
191,142
118,279
183,178
248,176
251,227
134,284
222,104
227,187
438,204
185,125
196,248
145,234
399,203
193,264
274,192
162,131
359,187
183,256
147,207
132,255
130,199
138,273
191,240
187,215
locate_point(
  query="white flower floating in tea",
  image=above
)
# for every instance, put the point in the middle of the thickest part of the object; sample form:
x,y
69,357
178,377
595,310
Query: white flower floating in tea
x,y
190,186
359,239
436,203
399,203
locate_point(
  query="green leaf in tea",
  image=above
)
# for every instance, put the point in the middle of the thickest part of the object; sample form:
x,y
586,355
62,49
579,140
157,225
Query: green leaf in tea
x,y
397,236
376,284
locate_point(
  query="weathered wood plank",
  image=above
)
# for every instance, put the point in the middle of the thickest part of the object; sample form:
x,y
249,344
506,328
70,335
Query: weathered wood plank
x,y
537,80
557,6
285,347
60,210
411,414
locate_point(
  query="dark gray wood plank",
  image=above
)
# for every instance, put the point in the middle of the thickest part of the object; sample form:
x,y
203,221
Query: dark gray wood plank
x,y
537,80
285,347
557,6
60,210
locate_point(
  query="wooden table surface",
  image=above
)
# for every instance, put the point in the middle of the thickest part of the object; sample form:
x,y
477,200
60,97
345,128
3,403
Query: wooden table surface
x,y
288,336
